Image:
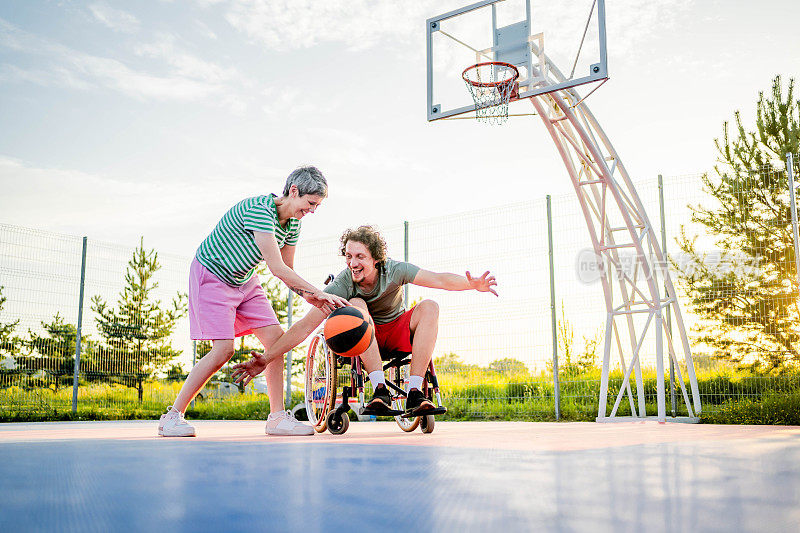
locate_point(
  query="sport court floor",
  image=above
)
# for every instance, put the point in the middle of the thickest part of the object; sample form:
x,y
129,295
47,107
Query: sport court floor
x,y
466,476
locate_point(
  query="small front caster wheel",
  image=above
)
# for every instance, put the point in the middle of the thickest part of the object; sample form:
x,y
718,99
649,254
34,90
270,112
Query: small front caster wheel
x,y
337,424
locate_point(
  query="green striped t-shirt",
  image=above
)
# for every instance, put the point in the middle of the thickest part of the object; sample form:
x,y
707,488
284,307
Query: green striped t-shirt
x,y
230,251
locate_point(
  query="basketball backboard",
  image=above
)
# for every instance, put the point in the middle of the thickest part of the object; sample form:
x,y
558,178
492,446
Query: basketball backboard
x,y
554,45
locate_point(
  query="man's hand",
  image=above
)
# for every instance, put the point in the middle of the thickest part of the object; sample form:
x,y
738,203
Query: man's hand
x,y
324,301
245,372
485,283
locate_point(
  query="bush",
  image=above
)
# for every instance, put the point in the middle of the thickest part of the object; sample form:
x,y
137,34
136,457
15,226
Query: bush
x,y
772,408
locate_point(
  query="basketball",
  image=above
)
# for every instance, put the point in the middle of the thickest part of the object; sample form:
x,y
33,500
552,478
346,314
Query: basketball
x,y
347,333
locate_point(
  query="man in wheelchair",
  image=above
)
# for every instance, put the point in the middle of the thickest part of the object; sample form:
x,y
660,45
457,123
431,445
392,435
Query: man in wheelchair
x,y
373,283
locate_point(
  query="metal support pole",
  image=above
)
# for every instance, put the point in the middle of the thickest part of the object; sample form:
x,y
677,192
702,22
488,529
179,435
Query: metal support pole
x,y
556,385
672,399
405,258
77,370
659,328
194,361
289,308
790,173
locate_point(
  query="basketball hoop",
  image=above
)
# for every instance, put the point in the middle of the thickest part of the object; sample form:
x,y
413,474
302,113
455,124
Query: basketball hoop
x,y
492,85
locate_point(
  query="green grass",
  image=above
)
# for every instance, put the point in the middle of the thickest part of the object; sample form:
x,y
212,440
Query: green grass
x,y
771,408
116,402
730,398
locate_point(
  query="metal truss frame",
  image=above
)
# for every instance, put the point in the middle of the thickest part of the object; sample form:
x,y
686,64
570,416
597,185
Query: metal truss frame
x,y
617,222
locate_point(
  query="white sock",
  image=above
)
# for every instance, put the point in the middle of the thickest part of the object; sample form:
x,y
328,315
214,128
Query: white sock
x,y
376,378
414,382
277,413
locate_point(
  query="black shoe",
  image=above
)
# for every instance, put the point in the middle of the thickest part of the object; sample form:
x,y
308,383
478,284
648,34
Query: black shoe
x,y
417,404
381,401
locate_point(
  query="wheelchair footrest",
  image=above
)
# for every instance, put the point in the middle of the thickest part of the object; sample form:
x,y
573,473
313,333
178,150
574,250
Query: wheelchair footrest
x,y
379,412
436,411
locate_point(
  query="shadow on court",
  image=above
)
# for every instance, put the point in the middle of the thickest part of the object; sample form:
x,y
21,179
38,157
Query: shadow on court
x,y
464,477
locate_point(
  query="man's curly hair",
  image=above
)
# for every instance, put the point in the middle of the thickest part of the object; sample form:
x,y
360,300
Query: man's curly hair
x,y
369,237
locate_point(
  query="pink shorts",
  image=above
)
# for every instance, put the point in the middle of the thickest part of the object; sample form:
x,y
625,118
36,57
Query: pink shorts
x,y
219,311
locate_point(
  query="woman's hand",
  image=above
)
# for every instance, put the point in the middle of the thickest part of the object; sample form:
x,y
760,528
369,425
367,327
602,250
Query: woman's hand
x,y
324,301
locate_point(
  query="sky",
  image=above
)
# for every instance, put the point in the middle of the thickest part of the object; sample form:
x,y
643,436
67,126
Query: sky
x,y
151,118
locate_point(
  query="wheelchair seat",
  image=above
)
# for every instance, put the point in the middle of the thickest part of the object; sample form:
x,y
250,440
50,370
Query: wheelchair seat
x,y
394,358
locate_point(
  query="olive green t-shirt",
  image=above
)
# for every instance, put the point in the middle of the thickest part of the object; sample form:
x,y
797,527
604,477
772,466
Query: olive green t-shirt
x,y
385,301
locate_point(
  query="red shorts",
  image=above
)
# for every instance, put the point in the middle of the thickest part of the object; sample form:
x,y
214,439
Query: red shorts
x,y
396,335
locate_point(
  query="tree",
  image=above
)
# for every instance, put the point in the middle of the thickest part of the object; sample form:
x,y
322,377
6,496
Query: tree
x,y
176,372
508,366
56,351
450,363
746,294
137,332
9,344
277,294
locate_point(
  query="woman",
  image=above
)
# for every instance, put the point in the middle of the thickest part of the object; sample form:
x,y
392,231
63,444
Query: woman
x,y
226,300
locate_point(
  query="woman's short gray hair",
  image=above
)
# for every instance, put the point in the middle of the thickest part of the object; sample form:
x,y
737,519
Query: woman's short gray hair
x,y
309,180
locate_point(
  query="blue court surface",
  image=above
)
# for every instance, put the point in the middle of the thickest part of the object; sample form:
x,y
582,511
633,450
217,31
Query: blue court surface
x,y
466,476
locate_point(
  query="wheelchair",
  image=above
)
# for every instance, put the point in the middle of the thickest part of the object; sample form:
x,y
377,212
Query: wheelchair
x,y
328,409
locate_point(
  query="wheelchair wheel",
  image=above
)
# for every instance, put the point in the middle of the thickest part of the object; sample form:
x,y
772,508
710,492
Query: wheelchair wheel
x,y
406,424
427,423
337,424
320,386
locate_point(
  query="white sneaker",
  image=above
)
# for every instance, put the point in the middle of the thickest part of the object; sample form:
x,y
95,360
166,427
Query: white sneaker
x,y
172,424
161,421
284,423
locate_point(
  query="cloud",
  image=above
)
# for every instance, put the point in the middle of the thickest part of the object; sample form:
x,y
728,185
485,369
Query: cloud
x,y
115,19
205,31
282,101
54,77
115,75
191,79
112,208
298,24
174,215
362,24
185,64
632,22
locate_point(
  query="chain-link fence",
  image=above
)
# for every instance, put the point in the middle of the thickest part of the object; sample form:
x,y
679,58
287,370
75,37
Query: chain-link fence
x,y
132,323
730,237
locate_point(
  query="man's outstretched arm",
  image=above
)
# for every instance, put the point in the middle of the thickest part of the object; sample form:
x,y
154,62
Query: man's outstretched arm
x,y
454,282
245,372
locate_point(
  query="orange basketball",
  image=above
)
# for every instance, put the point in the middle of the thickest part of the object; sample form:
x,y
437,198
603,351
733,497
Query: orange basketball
x,y
347,332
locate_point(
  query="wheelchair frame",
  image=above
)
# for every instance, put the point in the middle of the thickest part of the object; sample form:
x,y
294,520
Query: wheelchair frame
x,y
321,385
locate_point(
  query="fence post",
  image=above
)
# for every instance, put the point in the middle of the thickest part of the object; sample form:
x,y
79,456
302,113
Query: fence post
x,y
790,172
556,385
289,309
405,258
673,401
194,361
77,369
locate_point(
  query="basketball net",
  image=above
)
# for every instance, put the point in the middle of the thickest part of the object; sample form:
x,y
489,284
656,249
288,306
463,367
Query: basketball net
x,y
492,85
